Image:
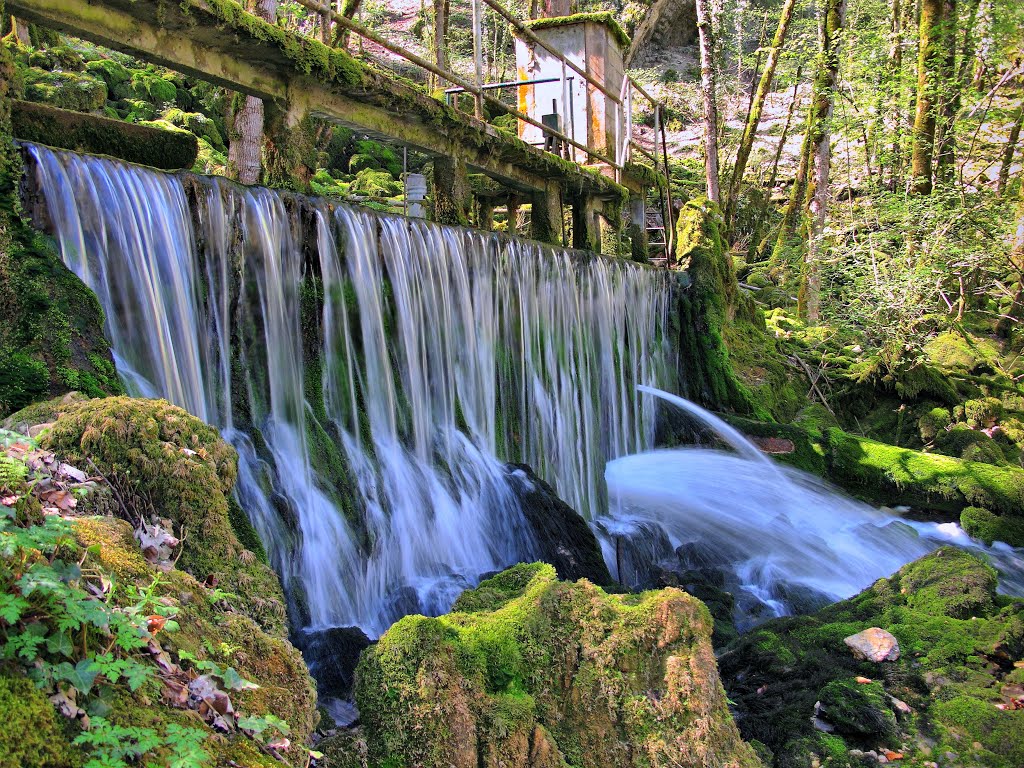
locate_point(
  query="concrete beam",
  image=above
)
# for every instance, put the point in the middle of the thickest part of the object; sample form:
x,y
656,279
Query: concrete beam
x,y
213,40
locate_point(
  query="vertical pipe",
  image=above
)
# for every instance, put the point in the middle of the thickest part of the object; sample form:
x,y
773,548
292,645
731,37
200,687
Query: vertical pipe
x,y
565,113
478,58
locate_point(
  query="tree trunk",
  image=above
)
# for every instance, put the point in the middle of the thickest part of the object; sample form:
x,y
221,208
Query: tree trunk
x,y
348,9
707,87
441,33
931,60
21,31
1008,152
896,114
245,162
757,107
945,144
834,17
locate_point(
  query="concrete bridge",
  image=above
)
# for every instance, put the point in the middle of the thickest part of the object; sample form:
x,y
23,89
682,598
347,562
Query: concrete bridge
x,y
215,41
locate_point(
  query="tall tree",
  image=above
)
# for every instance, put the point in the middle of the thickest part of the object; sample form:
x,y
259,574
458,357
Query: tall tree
x,y
934,28
707,87
757,107
245,160
441,13
1008,152
833,19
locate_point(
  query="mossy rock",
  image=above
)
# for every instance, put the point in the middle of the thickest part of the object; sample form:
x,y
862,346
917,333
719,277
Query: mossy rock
x,y
373,183
987,527
858,709
110,72
705,306
163,460
954,351
33,735
65,90
957,637
209,631
559,669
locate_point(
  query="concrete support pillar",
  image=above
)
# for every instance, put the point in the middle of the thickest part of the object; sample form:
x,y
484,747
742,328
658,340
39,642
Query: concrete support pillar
x,y
636,229
452,197
513,215
586,224
546,215
485,219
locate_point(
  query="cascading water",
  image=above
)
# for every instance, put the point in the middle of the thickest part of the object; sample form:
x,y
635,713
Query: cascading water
x,y
779,539
374,373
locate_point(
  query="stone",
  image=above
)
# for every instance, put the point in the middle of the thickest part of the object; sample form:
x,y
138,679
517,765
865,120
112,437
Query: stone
x,y
874,644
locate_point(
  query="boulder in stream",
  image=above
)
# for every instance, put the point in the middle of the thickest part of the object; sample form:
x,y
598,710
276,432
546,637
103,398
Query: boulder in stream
x,y
531,671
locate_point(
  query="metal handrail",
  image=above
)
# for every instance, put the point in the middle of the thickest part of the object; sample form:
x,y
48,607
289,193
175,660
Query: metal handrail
x,y
479,89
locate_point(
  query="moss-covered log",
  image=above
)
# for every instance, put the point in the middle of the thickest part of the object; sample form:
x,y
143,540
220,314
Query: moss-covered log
x,y
887,474
143,144
51,338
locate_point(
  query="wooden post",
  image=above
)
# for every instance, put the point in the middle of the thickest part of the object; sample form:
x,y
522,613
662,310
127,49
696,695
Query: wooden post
x,y
451,191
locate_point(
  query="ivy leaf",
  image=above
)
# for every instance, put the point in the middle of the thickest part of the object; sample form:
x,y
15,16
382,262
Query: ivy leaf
x,y
235,682
60,643
81,676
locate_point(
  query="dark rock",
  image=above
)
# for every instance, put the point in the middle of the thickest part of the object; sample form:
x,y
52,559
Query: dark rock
x,y
563,537
332,655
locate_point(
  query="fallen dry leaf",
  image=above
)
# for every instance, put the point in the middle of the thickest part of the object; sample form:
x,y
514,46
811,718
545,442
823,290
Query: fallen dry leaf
x,y
863,680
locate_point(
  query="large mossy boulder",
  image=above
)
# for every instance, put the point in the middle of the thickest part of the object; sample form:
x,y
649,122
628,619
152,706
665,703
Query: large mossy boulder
x,y
531,671
163,462
953,690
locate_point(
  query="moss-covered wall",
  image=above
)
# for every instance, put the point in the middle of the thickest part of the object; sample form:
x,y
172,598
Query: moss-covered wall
x,y
51,337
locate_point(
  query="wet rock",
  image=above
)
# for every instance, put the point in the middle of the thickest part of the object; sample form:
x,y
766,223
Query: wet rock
x,y
562,536
873,644
332,655
535,672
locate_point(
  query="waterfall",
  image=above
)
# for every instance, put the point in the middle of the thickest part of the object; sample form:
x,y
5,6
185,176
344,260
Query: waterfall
x,y
782,541
374,373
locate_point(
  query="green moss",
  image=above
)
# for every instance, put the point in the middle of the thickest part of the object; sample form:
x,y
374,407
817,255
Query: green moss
x,y
537,660
160,145
162,459
955,351
982,524
604,18
950,625
110,72
951,582
374,183
858,709
31,732
66,90
704,309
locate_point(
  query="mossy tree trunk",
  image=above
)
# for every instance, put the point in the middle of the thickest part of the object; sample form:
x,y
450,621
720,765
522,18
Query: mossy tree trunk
x,y
945,137
348,9
707,89
1009,151
895,113
934,37
820,150
245,150
756,108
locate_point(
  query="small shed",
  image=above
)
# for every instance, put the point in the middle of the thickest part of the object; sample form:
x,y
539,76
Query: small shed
x,y
588,114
